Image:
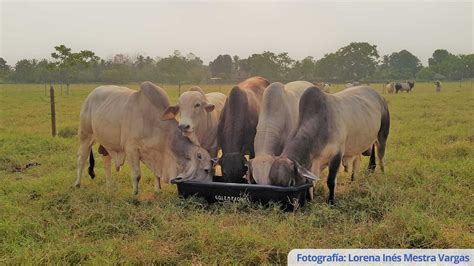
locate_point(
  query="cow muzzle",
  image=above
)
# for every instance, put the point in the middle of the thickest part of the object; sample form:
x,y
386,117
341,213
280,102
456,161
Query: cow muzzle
x,y
185,128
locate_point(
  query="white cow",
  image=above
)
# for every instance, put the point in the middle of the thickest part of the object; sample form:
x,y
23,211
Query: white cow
x,y
324,86
127,123
199,117
404,86
438,85
390,87
352,84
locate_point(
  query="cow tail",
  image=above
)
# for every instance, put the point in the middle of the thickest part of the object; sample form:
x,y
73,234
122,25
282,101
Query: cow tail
x,y
91,165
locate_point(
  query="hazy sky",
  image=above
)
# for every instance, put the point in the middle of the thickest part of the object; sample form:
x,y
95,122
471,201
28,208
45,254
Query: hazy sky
x,y
309,28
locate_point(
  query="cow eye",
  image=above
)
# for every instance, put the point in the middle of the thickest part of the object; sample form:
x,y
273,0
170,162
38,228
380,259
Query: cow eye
x,y
197,105
199,156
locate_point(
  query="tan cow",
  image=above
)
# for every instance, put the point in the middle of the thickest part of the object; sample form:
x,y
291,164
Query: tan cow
x,y
199,117
390,87
127,123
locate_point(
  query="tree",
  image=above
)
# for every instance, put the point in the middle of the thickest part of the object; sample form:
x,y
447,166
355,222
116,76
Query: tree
x,y
304,70
425,74
452,66
269,65
24,70
438,57
467,63
178,69
285,63
221,66
4,69
328,67
403,65
356,61
68,63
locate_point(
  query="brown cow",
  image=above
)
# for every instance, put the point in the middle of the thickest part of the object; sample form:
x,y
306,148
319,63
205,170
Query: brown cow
x,y
238,126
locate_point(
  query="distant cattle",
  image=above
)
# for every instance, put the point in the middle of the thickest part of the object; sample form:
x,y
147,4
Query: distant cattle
x,y
276,121
238,126
199,117
332,127
352,84
324,86
127,124
438,86
390,87
404,86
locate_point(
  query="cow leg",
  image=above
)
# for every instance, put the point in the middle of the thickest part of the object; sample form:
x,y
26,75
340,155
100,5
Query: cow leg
x,y
331,182
380,155
355,166
345,163
134,162
108,170
311,192
83,153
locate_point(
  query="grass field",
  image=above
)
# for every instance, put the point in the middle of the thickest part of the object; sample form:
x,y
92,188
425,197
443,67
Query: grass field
x,y
424,199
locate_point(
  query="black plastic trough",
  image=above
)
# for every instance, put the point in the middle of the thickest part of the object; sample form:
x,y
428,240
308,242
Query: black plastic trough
x,y
290,198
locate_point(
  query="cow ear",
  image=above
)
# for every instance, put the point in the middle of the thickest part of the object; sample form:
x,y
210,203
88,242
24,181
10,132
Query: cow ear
x,y
303,172
209,107
170,112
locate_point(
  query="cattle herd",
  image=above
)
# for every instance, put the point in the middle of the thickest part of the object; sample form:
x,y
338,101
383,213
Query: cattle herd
x,y
290,132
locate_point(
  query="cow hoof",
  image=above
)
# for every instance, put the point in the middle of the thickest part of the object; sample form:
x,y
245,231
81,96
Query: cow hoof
x,y
76,185
331,202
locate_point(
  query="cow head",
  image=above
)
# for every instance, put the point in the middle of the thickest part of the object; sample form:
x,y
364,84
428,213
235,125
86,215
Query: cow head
x,y
193,107
260,168
234,166
195,164
285,172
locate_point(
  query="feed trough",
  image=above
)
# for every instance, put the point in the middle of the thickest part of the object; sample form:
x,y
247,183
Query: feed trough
x,y
290,198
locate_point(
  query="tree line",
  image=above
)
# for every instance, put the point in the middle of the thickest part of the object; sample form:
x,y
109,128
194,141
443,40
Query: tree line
x,y
358,61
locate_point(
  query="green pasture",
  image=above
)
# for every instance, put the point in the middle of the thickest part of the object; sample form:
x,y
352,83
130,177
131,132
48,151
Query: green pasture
x,y
424,199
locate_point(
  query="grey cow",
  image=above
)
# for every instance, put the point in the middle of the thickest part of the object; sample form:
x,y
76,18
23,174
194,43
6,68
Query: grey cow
x,y
277,119
332,127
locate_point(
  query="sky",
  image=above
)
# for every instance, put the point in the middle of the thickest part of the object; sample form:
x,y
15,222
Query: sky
x,y
207,29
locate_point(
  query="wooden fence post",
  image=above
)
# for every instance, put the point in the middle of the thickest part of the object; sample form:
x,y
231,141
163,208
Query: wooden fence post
x,y
179,89
61,86
53,111
67,88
